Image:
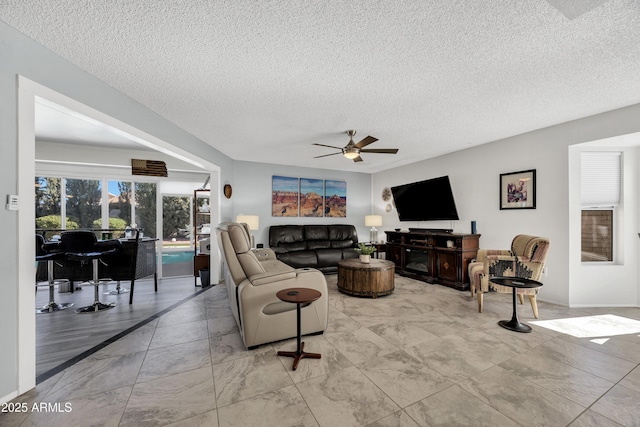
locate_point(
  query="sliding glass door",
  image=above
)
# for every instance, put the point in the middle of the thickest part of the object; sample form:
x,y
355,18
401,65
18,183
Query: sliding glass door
x,y
177,247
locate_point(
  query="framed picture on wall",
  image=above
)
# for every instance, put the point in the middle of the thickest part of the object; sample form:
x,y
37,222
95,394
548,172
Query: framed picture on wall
x,y
518,190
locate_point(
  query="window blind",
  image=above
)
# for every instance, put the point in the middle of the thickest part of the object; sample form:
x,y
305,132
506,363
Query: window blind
x,y
600,178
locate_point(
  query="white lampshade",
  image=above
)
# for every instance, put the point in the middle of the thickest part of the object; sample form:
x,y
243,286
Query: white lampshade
x,y
351,154
373,220
253,221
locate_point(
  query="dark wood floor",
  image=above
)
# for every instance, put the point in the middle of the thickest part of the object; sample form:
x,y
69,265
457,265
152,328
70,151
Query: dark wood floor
x,y
63,335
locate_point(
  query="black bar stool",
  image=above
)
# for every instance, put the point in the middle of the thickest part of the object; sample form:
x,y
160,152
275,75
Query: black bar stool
x,y
83,246
43,254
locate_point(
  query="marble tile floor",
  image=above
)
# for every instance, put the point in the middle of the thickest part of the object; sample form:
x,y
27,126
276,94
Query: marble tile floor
x,y
64,335
422,356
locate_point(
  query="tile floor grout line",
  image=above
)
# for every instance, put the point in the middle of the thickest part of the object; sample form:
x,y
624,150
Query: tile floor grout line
x,y
135,381
124,409
588,408
146,353
213,375
68,363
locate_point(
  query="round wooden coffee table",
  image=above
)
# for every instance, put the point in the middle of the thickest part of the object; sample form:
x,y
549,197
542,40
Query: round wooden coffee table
x,y
366,280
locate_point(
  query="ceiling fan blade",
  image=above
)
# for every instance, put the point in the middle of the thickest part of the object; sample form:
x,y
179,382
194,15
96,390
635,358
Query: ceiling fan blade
x,y
330,146
357,159
380,150
366,141
325,155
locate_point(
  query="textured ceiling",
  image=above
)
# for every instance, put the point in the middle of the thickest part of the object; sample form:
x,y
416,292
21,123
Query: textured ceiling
x,y
263,80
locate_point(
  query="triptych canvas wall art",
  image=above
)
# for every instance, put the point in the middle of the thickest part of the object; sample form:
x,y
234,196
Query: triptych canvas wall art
x,y
308,197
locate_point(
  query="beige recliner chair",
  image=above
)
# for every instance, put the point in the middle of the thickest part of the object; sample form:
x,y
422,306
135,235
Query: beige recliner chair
x,y
253,277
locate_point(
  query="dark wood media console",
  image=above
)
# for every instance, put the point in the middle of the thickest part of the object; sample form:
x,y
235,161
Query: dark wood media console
x,y
425,255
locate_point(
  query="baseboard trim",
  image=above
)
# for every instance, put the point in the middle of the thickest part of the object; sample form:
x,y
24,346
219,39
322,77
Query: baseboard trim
x,y
8,397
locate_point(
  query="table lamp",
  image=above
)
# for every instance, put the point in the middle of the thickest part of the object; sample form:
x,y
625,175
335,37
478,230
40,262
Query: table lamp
x,y
373,221
253,221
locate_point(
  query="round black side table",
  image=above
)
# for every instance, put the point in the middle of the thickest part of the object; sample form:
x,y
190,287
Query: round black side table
x,y
515,283
298,296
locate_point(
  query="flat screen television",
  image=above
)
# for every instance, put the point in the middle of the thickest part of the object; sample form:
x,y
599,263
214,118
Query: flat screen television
x,y
429,200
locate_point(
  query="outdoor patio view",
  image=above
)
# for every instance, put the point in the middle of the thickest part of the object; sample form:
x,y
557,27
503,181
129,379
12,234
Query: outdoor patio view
x,y
82,209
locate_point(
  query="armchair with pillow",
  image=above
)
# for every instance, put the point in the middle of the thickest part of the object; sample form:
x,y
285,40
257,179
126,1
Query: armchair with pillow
x,y
253,277
526,259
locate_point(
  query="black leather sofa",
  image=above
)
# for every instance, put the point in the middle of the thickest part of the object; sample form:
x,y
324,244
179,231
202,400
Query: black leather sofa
x,y
315,246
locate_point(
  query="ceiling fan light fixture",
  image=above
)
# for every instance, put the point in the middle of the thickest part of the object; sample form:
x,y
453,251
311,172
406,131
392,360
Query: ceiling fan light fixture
x,y
352,150
351,153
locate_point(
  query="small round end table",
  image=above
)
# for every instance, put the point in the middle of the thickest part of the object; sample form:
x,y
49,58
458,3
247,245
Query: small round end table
x,y
298,296
515,283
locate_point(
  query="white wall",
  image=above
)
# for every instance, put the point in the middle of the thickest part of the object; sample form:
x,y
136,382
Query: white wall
x,y
252,196
474,175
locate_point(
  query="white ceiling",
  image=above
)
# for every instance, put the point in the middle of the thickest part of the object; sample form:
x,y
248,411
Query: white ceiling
x,y
263,80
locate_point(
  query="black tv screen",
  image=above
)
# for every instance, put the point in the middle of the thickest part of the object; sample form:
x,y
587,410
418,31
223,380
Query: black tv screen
x,y
429,200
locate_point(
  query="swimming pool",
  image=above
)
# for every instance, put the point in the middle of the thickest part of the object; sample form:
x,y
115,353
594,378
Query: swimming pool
x,y
177,257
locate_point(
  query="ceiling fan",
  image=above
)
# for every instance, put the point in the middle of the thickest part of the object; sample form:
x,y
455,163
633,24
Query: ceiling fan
x,y
352,150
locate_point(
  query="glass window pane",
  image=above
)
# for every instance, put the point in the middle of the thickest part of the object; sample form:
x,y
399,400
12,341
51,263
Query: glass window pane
x,y
83,203
177,256
597,235
146,208
48,209
176,221
119,206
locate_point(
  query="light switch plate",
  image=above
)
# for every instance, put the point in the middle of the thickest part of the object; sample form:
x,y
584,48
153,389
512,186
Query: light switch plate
x,y
12,202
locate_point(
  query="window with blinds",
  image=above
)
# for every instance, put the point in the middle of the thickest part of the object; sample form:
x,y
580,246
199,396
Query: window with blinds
x,y
600,179
600,195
